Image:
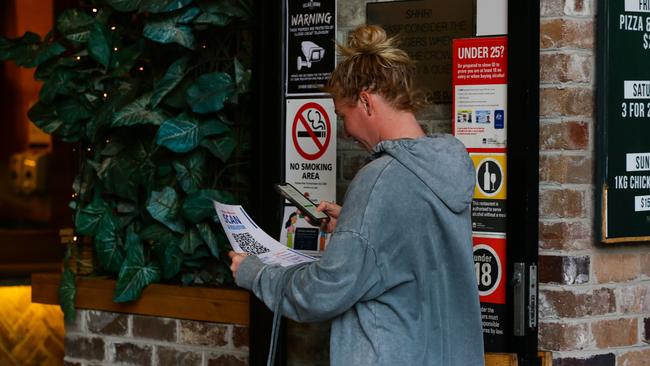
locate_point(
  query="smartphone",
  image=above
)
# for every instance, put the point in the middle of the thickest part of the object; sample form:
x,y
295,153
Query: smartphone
x,y
304,204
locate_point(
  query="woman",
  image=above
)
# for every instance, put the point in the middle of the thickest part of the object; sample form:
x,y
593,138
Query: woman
x,y
397,278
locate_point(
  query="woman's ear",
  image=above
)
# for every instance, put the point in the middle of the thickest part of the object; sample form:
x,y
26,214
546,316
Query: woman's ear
x,y
364,98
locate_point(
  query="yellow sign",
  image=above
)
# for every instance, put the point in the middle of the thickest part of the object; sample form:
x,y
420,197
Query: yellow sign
x,y
490,175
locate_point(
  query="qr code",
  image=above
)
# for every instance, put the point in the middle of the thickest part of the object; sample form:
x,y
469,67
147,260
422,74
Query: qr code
x,y
248,244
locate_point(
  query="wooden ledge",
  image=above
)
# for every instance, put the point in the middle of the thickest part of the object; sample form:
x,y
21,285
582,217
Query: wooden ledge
x,y
217,305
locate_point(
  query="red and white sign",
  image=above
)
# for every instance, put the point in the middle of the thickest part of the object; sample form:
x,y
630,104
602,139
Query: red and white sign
x,y
311,131
480,85
490,266
310,147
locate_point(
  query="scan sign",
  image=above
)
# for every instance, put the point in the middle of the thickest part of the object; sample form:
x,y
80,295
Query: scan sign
x,y
310,48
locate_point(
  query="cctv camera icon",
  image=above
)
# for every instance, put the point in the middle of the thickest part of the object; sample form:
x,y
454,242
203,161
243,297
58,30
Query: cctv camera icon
x,y
312,53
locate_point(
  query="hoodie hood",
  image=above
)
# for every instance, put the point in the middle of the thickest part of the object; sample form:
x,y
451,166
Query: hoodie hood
x,y
440,161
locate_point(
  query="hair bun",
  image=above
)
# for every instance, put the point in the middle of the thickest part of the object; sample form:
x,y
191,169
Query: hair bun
x,y
370,39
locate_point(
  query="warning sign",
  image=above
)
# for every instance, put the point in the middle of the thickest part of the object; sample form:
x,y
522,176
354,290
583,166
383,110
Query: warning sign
x,y
490,175
311,131
489,203
490,266
311,147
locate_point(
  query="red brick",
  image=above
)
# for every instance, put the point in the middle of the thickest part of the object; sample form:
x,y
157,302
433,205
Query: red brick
x,y
227,360
176,357
101,322
151,327
84,348
645,264
563,337
559,33
615,333
565,67
203,334
561,204
577,7
568,304
615,267
550,8
133,354
635,299
564,270
565,235
607,359
240,337
568,135
570,101
565,169
635,358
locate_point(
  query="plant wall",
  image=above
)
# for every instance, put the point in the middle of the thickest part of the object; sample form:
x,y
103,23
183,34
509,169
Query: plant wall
x,y
154,95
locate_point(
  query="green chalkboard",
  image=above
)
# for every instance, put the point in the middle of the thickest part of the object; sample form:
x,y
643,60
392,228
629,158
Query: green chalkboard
x,y
623,125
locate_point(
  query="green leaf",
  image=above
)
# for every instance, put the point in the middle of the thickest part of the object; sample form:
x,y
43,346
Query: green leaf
x,y
198,206
221,147
75,25
209,238
219,20
163,6
189,171
68,295
108,244
164,207
89,218
71,111
157,233
45,117
179,134
174,75
124,5
212,127
191,240
58,83
47,52
242,77
136,273
225,7
138,112
209,92
172,260
100,44
170,29
125,58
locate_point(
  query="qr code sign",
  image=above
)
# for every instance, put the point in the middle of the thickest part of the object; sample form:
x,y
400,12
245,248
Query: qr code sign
x,y
248,244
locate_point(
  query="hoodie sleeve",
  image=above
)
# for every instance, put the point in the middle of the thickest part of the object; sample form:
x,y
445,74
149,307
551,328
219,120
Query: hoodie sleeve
x,y
320,290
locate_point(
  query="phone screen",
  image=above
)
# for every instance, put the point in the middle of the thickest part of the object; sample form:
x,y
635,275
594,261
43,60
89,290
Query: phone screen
x,y
303,203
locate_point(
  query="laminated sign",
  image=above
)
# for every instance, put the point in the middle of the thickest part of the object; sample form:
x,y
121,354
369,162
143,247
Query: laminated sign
x,y
310,166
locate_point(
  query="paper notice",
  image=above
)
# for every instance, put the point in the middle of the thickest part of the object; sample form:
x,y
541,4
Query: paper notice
x,y
246,237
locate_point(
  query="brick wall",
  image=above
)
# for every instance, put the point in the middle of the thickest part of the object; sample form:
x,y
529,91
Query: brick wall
x,y
594,299
104,338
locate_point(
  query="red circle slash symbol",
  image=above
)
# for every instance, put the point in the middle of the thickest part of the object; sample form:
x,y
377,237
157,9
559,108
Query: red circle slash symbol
x,y
316,125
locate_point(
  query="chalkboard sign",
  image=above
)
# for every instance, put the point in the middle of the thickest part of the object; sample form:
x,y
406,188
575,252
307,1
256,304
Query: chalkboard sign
x,y
623,97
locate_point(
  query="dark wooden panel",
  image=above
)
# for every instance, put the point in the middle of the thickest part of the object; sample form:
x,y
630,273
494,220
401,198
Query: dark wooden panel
x,y
217,305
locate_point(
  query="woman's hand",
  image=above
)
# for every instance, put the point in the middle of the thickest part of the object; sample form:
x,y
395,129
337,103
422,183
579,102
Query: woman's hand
x,y
333,211
236,259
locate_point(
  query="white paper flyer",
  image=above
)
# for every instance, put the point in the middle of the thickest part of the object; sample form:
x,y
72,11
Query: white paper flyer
x,y
246,237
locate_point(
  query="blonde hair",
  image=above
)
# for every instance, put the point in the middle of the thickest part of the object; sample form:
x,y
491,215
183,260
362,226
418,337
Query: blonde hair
x,y
373,62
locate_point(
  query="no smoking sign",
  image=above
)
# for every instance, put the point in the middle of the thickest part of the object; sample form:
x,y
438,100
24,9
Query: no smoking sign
x,y
311,131
310,145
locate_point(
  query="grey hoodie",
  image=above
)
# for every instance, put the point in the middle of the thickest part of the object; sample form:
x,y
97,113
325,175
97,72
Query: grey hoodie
x,y
397,278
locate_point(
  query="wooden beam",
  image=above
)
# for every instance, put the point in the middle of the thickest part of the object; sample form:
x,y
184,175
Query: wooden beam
x,y
219,305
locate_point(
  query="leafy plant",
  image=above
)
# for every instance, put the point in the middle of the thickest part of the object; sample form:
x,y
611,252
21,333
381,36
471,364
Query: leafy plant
x,y
154,95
